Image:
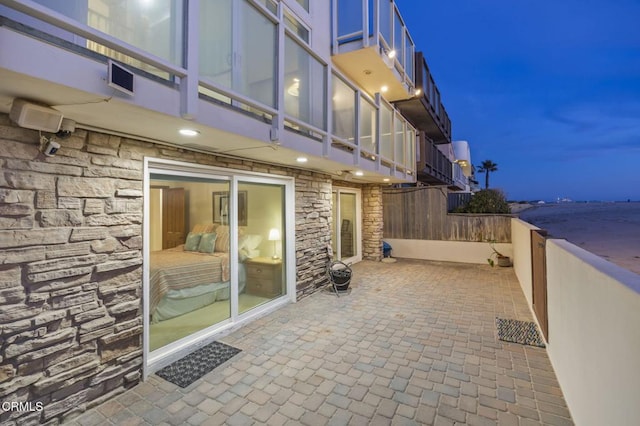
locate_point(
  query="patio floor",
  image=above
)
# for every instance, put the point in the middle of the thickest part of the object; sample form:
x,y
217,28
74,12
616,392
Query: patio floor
x,y
414,343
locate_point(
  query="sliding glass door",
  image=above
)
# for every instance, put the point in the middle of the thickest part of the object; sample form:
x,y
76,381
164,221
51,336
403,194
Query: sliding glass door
x,y
346,232
216,253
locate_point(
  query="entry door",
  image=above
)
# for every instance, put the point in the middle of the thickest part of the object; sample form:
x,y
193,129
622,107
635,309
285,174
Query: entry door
x,y
539,271
346,232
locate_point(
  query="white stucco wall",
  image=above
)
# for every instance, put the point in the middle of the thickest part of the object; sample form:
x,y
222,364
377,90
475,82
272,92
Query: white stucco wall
x,y
447,251
521,241
594,334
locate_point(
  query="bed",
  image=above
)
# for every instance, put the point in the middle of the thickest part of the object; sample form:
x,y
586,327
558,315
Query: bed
x,y
195,274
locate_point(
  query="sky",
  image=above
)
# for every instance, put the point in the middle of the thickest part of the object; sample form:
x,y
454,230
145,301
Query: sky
x,y
548,90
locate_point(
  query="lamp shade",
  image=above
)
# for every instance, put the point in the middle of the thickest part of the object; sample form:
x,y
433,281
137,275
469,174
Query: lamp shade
x,y
274,234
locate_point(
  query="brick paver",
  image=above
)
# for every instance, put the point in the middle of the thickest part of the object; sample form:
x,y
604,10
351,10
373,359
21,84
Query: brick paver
x,y
414,343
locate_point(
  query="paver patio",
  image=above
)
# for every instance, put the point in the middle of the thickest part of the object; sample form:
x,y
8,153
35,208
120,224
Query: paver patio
x,y
414,343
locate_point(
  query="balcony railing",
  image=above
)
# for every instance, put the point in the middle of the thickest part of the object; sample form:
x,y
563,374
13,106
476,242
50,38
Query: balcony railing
x,y
426,111
372,45
434,167
239,53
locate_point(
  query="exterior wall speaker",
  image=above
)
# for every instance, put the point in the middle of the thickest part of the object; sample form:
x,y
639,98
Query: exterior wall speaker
x,y
34,116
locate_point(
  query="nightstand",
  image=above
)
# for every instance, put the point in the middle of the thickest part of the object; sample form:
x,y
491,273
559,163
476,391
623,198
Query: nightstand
x,y
264,276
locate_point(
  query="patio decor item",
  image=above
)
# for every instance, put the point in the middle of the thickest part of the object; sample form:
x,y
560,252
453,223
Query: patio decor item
x,y
522,332
339,274
195,365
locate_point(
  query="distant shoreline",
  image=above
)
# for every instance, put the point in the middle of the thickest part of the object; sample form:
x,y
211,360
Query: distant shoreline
x,y
610,230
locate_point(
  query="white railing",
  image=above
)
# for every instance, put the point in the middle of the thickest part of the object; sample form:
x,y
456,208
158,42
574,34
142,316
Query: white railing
x,y
190,83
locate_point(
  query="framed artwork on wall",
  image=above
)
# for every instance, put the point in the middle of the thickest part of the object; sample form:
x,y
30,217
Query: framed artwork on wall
x,y
221,208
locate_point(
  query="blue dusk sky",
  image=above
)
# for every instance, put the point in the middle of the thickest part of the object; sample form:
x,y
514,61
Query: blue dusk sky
x,y
548,90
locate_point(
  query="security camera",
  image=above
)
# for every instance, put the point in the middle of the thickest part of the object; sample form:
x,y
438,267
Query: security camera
x,y
67,127
51,148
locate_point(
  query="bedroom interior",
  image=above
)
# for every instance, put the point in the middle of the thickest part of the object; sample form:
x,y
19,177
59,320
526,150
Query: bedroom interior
x,y
190,280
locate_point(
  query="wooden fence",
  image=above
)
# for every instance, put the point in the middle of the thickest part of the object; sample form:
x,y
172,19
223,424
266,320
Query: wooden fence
x,y
421,214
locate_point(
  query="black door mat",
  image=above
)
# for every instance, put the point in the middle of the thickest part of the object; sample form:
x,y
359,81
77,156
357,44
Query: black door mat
x,y
522,332
195,365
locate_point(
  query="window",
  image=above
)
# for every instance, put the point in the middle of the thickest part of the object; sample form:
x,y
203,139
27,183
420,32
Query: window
x,y
344,111
296,27
305,85
304,4
368,126
238,49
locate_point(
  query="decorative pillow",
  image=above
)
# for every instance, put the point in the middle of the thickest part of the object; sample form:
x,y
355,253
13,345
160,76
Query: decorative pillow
x,y
207,242
192,242
250,242
222,241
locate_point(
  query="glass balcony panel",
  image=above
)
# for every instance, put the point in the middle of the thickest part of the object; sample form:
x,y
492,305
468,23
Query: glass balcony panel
x,y
410,162
305,85
350,19
238,49
368,126
399,143
398,42
343,110
409,49
386,131
155,27
385,20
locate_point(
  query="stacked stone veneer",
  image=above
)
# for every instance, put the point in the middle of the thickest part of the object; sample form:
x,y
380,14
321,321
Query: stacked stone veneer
x,y
71,264
372,219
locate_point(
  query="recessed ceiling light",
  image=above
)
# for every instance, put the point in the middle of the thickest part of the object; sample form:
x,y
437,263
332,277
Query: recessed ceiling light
x,y
418,92
385,180
302,159
383,89
189,132
359,173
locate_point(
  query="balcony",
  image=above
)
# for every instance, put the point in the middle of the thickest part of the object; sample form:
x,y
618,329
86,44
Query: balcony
x,y
426,111
434,168
372,46
236,71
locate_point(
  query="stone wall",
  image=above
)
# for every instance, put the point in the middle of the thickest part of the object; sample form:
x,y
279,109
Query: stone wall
x,y
372,219
71,264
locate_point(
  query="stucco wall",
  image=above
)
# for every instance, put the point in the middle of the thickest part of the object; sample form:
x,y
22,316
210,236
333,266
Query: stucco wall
x,y
446,251
71,263
594,335
521,241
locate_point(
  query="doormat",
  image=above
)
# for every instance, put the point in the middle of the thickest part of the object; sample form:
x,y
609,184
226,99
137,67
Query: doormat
x,y
522,332
195,365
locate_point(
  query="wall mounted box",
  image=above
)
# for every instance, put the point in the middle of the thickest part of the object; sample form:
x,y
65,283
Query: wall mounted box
x,y
33,116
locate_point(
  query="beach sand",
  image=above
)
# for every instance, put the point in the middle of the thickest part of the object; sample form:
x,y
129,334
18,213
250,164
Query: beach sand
x,y
609,230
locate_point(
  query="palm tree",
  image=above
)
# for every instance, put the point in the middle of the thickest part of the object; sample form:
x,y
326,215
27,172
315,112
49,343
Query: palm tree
x,y
487,167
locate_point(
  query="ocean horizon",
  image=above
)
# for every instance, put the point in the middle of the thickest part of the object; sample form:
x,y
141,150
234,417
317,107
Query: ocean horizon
x,y
608,229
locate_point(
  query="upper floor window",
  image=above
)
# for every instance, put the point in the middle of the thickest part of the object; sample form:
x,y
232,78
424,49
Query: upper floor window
x,y
304,4
238,48
296,27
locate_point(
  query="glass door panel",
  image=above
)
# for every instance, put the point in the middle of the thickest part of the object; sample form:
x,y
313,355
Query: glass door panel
x,y
189,282
261,243
345,226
